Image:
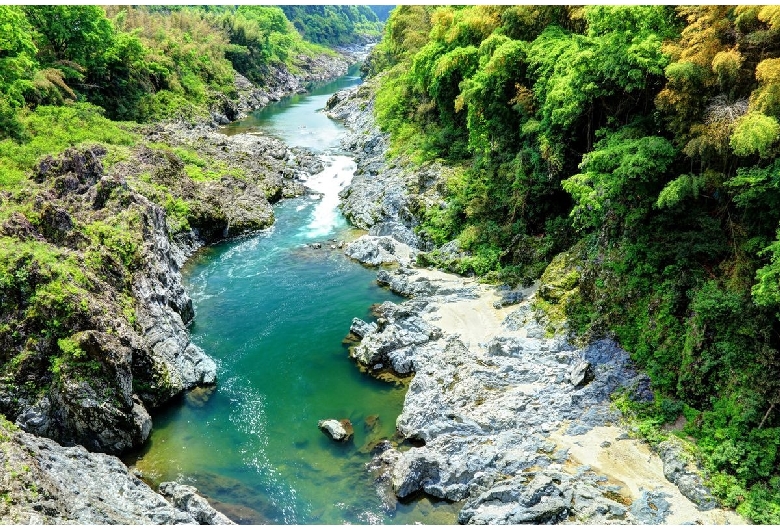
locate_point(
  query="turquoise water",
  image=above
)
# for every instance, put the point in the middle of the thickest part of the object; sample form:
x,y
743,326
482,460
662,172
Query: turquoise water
x,y
296,119
273,312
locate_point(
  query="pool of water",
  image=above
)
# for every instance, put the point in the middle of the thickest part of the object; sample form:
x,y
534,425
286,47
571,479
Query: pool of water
x,y
296,120
273,312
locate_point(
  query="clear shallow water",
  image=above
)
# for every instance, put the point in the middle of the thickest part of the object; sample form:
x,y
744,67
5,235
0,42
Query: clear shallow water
x,y
273,313
296,119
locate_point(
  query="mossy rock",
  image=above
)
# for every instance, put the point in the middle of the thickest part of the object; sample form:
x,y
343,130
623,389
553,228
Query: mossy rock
x,y
559,285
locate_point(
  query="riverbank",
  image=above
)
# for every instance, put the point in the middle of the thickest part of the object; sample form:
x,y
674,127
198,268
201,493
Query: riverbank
x,y
511,419
119,226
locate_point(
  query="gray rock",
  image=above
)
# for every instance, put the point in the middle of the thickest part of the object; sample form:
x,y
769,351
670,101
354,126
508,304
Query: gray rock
x,y
381,467
361,328
680,472
414,471
395,340
581,374
186,499
397,231
372,250
650,508
72,485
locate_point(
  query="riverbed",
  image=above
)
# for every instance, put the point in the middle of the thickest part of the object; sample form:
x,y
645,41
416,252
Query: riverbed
x,y
273,311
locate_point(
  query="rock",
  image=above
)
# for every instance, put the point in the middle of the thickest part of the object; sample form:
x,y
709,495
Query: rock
x,y
94,405
51,484
373,250
581,374
509,297
397,231
395,340
650,508
361,328
413,471
186,499
680,472
339,431
380,467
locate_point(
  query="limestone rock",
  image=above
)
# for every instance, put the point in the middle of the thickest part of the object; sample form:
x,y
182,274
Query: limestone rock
x,y
679,471
395,340
361,328
377,250
381,469
413,471
51,484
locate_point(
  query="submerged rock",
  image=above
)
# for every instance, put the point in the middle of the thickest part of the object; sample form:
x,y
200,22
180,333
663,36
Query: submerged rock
x,y
337,430
381,469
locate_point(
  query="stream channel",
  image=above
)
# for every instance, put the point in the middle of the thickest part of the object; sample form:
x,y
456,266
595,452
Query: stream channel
x,y
273,313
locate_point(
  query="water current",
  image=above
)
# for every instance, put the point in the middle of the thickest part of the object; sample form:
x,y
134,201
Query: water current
x,y
273,313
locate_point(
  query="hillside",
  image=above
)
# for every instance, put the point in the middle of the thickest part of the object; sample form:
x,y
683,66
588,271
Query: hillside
x,y
627,155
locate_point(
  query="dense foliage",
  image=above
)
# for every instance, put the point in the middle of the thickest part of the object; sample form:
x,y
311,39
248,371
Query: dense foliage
x,y
648,136
334,25
138,63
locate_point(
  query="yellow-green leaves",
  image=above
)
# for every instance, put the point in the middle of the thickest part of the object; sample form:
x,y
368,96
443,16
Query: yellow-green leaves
x,y
755,134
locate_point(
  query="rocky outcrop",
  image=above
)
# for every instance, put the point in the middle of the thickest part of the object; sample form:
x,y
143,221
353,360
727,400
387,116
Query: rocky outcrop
x,y
128,347
277,82
393,342
379,250
383,196
186,499
496,409
45,483
679,470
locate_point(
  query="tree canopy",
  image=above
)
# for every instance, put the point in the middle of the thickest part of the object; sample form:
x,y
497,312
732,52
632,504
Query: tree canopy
x,y
648,136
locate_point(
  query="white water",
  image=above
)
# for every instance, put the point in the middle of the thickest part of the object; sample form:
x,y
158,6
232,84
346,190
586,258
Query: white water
x,y
325,217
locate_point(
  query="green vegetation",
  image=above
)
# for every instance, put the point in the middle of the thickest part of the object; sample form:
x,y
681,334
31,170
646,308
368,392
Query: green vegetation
x,y
334,25
648,137
74,83
148,63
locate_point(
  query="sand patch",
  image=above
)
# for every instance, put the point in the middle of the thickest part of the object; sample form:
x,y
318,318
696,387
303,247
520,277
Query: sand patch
x,y
633,466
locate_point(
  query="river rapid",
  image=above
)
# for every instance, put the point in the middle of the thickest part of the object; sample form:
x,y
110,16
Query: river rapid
x,y
273,312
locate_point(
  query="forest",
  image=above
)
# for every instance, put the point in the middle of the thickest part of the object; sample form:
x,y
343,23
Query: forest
x,y
625,155
143,63
630,155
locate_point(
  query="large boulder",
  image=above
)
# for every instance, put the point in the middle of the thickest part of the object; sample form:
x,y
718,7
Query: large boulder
x,y
679,470
377,250
394,341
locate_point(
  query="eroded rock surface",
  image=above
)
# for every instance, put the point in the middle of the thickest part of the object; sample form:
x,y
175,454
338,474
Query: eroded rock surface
x,y
52,484
506,415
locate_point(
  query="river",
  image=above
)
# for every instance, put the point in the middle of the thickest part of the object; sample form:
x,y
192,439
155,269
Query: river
x,y
273,313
